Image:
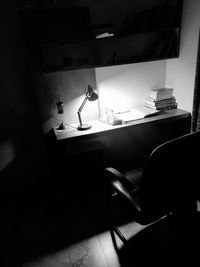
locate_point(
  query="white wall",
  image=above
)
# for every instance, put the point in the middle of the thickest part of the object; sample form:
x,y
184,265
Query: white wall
x,y
180,72
125,86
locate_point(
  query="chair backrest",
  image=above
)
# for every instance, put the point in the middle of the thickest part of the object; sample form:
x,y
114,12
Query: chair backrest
x,y
170,177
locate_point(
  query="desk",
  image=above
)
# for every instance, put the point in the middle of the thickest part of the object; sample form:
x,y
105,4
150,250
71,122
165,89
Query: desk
x,y
100,128
121,146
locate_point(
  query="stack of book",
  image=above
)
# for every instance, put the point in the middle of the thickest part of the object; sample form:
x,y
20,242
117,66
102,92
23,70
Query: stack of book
x,y
161,99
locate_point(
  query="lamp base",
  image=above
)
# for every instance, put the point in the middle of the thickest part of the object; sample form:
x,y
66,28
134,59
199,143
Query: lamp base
x,y
84,127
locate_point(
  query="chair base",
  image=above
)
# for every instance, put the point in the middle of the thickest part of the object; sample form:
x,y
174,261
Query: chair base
x,y
119,234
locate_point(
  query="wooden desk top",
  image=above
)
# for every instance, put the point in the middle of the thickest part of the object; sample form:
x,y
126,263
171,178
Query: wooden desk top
x,y
99,127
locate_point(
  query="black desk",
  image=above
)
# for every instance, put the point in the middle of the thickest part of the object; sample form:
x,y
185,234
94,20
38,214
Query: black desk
x,y
122,146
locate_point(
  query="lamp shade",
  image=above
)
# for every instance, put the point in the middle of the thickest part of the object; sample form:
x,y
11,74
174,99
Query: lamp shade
x,y
92,95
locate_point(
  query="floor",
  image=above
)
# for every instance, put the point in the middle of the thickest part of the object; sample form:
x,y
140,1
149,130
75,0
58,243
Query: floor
x,y
81,238
67,228
96,251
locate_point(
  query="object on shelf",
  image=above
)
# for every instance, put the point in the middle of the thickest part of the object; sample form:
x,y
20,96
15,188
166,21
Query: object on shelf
x,y
102,28
104,35
161,93
136,113
107,115
163,107
161,99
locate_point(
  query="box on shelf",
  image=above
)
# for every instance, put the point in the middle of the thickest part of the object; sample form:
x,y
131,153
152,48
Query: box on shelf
x,y
107,115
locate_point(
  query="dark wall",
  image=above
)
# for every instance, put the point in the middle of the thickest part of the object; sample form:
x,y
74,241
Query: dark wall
x,y
22,155
21,141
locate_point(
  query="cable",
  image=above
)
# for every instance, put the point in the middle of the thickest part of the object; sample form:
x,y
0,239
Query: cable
x,y
70,125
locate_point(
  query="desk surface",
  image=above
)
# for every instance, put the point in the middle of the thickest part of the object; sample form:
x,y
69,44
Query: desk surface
x,y
99,127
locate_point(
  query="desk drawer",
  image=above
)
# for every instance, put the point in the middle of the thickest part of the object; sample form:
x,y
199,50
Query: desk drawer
x,y
89,144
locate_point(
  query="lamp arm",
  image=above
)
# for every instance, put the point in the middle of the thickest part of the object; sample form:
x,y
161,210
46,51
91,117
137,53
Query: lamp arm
x,y
79,118
80,109
82,105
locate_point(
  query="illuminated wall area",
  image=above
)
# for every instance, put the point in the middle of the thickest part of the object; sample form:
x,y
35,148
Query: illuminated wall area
x,y
119,88
126,86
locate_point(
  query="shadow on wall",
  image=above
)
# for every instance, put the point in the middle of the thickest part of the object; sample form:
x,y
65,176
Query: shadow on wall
x,y
70,87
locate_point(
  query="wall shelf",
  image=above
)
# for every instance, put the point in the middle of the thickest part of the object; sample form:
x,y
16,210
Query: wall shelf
x,y
139,47
69,43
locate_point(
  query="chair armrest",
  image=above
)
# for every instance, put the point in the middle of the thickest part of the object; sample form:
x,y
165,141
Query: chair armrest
x,y
112,173
120,184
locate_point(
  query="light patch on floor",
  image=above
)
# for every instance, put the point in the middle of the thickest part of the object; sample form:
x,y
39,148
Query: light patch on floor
x,y
87,253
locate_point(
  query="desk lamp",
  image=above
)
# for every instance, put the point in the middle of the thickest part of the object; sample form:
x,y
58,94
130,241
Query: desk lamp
x,y
91,95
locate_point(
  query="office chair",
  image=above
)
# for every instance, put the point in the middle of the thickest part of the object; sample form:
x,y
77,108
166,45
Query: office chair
x,y
165,185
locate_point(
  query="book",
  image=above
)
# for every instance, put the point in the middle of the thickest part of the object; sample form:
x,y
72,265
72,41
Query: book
x,y
161,102
161,93
163,107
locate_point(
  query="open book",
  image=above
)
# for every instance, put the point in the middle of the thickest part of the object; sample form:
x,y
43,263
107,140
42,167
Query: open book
x,y
137,113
